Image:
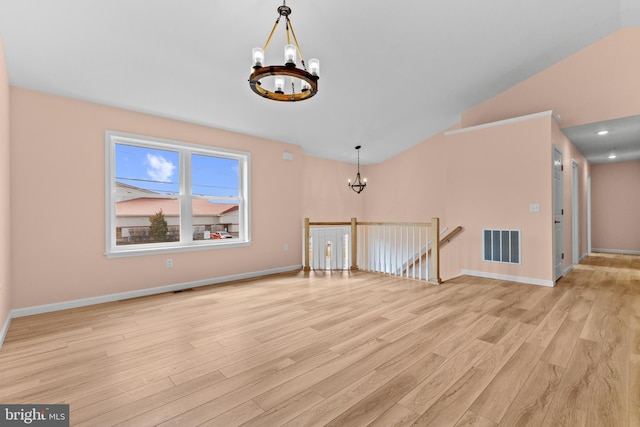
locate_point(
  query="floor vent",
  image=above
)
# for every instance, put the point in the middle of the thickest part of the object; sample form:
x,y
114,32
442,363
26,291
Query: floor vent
x,y
501,246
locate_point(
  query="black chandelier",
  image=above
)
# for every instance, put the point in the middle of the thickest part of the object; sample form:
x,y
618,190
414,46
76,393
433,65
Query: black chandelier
x,y
303,82
358,184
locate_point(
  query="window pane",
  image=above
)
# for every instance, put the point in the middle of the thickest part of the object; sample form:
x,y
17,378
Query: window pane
x,y
214,176
144,220
151,170
213,220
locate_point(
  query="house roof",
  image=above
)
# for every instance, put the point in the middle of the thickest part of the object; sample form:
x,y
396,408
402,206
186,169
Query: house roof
x,y
147,206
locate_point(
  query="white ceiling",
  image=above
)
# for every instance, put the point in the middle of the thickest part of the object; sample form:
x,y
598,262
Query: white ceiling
x,y
392,74
622,138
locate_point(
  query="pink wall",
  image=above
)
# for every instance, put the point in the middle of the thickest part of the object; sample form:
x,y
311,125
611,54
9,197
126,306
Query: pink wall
x,y
402,188
615,206
493,175
480,178
598,83
5,228
325,195
58,207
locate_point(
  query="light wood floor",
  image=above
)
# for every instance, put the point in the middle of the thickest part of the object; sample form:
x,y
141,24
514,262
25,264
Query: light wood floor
x,y
344,349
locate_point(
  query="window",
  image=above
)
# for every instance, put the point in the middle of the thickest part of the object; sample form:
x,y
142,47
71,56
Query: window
x,y
168,196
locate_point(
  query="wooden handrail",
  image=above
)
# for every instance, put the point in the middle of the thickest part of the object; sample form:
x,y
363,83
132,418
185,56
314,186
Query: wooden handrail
x,y
409,224
448,237
444,240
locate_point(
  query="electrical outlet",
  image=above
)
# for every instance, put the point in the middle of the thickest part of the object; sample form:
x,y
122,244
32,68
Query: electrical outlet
x,y
169,262
286,247
534,207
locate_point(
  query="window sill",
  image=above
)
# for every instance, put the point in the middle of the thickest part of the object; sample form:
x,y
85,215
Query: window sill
x,y
176,249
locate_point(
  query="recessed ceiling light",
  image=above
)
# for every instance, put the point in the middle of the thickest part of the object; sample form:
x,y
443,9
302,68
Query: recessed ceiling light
x,y
612,154
603,132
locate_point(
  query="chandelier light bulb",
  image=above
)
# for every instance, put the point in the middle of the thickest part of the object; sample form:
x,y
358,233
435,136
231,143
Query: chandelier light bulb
x,y
290,55
314,66
279,84
257,55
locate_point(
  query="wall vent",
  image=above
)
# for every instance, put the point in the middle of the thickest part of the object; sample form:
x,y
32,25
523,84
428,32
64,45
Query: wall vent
x,y
501,246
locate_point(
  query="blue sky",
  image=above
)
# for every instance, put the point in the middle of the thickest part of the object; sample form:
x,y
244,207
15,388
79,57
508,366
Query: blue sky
x,y
159,170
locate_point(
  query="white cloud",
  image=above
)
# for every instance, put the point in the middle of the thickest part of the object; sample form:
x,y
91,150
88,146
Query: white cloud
x,y
159,169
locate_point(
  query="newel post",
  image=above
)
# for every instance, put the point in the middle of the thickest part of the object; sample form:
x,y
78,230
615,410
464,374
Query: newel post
x,y
307,267
434,260
354,244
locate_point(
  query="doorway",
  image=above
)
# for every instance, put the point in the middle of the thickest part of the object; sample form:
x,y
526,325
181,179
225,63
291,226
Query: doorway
x,y
558,212
575,213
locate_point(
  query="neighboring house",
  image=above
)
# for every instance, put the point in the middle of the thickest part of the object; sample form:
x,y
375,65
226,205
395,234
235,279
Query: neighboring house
x,y
136,205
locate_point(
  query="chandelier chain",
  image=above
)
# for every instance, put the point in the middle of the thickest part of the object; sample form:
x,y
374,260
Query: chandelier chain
x,y
273,30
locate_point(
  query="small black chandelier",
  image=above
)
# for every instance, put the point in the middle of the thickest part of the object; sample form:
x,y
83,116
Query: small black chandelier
x,y
287,82
358,184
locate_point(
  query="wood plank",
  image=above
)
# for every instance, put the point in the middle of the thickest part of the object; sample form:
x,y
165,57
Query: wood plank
x,y
532,402
427,392
396,416
559,350
469,419
609,402
573,398
634,392
546,330
285,411
496,398
333,406
457,399
236,416
374,405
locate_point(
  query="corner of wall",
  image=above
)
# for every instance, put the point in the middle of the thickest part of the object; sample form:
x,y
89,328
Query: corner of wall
x,y
5,211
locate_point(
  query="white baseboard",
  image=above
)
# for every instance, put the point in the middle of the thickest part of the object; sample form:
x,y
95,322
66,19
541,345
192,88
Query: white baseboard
x,y
527,280
616,251
5,329
28,311
582,258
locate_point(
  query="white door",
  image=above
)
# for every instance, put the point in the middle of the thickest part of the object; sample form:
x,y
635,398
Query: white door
x,y
588,214
575,214
558,212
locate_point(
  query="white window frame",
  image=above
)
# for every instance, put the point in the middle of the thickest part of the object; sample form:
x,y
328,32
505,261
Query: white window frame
x,y
186,242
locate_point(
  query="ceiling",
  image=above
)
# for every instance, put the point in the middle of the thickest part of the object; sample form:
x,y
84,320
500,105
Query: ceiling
x,y
622,139
391,74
